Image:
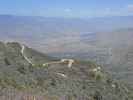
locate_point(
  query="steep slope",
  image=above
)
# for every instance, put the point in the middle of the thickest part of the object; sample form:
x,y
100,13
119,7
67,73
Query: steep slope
x,y
52,79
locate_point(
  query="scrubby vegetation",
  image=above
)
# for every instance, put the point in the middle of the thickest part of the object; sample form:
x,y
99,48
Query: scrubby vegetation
x,y
83,81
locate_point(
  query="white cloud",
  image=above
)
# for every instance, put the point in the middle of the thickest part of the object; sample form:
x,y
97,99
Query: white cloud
x,y
68,10
130,7
107,11
123,11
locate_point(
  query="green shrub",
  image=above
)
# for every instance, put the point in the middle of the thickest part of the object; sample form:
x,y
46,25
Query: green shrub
x,y
7,62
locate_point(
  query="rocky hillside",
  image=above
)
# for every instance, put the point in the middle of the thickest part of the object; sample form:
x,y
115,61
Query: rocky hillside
x,y
26,74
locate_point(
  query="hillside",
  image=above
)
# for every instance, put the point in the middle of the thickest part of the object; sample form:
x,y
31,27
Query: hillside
x,y
26,73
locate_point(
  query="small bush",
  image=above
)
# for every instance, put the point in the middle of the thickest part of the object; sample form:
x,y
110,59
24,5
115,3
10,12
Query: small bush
x,y
22,69
7,62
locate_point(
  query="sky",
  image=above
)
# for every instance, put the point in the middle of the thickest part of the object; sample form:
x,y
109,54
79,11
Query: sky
x,y
67,8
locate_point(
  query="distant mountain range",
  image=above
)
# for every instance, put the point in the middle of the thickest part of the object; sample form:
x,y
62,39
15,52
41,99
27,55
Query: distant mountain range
x,y
21,25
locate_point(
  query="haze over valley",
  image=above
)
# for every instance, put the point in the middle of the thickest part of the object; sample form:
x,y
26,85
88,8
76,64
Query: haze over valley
x,y
105,40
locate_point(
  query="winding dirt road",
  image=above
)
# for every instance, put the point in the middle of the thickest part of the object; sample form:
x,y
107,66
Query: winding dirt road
x,y
70,61
25,57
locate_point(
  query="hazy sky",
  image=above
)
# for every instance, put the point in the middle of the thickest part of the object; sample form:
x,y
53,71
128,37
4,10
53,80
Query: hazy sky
x,y
67,8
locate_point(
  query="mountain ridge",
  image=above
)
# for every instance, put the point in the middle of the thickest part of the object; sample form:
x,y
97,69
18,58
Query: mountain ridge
x,y
84,80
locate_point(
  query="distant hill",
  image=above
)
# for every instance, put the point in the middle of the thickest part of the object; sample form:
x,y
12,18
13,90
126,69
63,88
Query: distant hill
x,y
84,80
33,27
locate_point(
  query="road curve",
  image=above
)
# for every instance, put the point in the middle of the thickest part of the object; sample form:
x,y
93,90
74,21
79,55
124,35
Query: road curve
x,y
70,61
25,57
